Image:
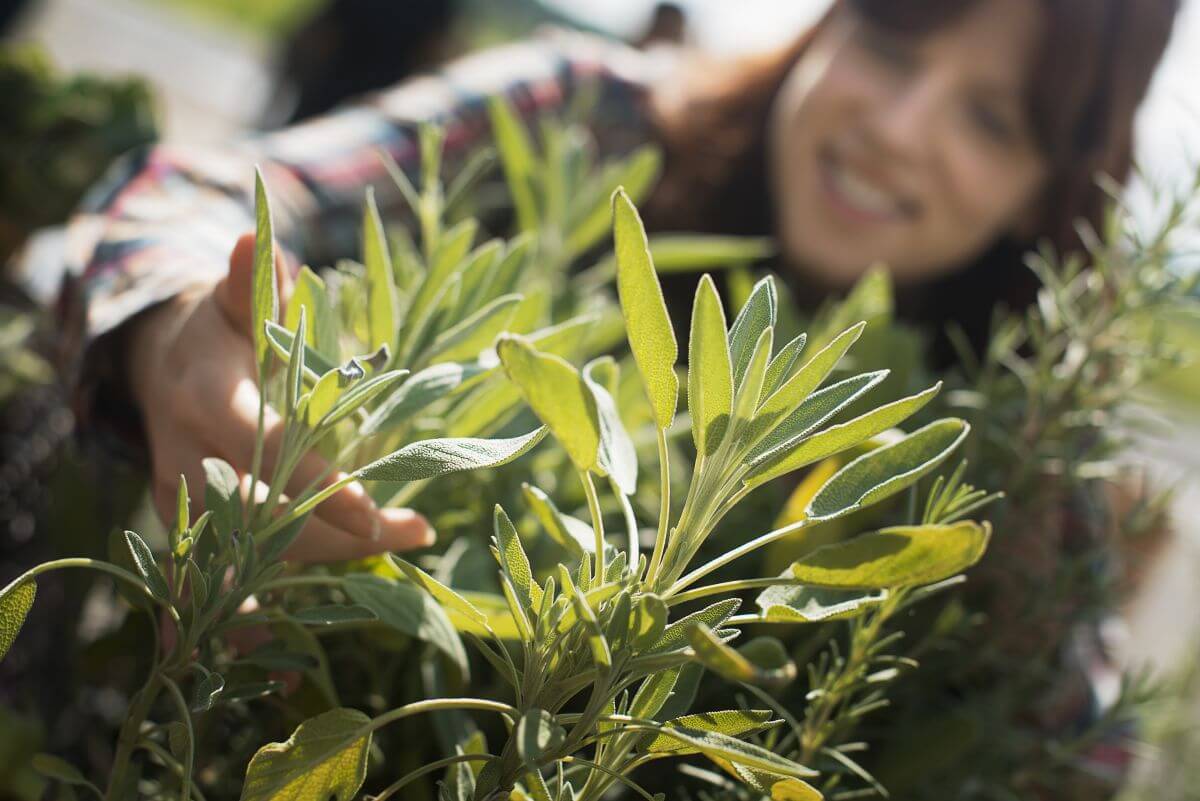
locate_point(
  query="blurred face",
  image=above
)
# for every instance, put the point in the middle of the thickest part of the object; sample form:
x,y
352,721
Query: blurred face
x,y
912,151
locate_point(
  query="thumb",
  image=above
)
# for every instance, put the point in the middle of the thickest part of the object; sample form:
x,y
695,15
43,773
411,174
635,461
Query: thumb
x,y
235,291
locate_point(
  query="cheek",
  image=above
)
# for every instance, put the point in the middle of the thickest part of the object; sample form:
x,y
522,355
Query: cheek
x,y
987,194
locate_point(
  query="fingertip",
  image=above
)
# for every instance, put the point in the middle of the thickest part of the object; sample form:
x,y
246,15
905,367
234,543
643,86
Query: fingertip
x,y
406,529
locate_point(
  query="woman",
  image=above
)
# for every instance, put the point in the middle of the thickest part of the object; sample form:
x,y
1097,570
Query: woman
x,y
938,136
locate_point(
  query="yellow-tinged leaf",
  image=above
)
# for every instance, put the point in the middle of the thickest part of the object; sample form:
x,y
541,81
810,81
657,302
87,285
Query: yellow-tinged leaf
x,y
381,280
647,323
710,373
325,758
557,394
15,602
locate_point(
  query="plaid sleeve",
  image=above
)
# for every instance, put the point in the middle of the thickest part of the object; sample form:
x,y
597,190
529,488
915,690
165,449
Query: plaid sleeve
x,y
166,218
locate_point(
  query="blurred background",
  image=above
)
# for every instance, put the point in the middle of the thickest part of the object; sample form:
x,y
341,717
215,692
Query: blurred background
x,y
83,80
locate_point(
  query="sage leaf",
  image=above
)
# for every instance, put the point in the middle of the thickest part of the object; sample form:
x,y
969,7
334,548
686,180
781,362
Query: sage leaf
x,y
616,455
727,722
418,392
325,758
15,602
804,604
770,666
651,337
514,562
265,306
558,396
650,621
206,691
838,438
315,365
409,611
58,769
716,744
635,175
746,397
676,635
476,332
710,372
572,534
805,380
430,458
310,295
448,598
517,159
143,560
757,315
780,368
885,471
381,279
902,556
538,734
653,693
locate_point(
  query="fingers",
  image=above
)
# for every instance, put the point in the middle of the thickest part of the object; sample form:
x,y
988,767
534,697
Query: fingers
x,y
235,291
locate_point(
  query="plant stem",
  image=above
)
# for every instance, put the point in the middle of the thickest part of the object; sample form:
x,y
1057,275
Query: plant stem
x,y
103,567
664,510
398,785
593,501
305,506
256,460
736,553
169,761
128,737
186,718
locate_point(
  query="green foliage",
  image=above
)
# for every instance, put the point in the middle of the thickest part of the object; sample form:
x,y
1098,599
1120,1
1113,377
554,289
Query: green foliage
x,y
596,649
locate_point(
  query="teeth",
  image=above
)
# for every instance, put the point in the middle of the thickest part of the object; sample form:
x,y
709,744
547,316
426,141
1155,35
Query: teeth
x,y
862,193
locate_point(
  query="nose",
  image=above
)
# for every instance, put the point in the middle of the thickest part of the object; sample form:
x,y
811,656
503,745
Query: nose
x,y
904,124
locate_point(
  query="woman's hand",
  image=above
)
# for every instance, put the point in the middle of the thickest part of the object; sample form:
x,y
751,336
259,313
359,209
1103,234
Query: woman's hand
x,y
192,373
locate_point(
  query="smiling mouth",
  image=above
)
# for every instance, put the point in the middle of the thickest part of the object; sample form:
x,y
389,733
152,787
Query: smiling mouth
x,y
857,197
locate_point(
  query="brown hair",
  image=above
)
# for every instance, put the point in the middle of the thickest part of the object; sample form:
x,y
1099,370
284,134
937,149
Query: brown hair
x,y
1095,65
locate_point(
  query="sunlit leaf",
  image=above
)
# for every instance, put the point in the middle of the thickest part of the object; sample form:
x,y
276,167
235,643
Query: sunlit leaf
x,y
766,663
143,560
381,280
710,373
616,455
409,611
436,457
265,306
804,604
756,316
325,758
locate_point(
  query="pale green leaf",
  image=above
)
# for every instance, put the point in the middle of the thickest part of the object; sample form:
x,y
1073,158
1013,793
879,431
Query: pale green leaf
x,y
309,293
265,297
476,332
517,158
676,635
418,392
221,495
766,663
295,365
448,598
436,457
281,340
676,253
143,560
716,744
749,389
512,558
837,438
572,534
756,316
774,439
650,621
15,602
410,611
805,380
362,393
537,735
647,323
59,769
780,368
795,604
727,722
325,759
710,373
653,693
558,396
903,556
381,280
885,471
616,455
636,175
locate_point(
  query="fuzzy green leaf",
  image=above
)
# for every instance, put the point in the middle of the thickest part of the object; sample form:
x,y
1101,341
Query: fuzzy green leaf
x,y
710,373
756,316
418,392
410,611
805,380
315,365
436,457
512,558
773,439
635,175
15,602
558,396
206,691
793,604
447,597
476,332
749,390
362,393
616,455
143,560
837,438
309,294
538,734
572,534
728,723
265,297
381,280
647,323
885,471
517,159
716,744
650,621
59,769
766,663
221,495
653,693
324,759
676,635
903,556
